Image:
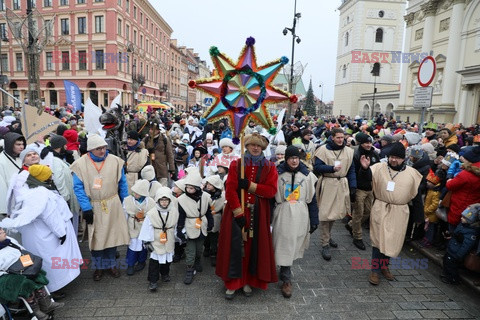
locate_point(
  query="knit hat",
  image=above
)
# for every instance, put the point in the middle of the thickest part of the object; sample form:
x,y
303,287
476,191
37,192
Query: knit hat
x,y
472,154
141,187
292,151
215,181
454,147
95,141
40,172
280,149
428,148
434,143
148,173
29,148
431,177
226,142
397,150
133,135
57,141
416,152
362,138
413,138
471,213
257,139
386,138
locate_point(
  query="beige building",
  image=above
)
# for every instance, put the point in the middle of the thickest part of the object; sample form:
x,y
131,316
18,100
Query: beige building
x,y
451,30
368,32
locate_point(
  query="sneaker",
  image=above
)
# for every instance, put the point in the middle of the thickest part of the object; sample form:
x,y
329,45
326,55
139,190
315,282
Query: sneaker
x,y
326,252
374,278
387,274
247,290
229,294
332,243
130,271
287,289
165,278
359,244
152,286
349,228
139,267
189,274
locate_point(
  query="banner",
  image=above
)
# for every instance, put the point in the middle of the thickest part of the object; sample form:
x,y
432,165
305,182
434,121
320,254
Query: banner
x,y
35,126
116,102
92,115
74,96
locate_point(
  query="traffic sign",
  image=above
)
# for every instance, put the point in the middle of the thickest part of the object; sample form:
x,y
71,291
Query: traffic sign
x,y
426,71
422,97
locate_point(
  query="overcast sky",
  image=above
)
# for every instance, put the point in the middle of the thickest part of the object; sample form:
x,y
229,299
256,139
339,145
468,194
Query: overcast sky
x,y
226,24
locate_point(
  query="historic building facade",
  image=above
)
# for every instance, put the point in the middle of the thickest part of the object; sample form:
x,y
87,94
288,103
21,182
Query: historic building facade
x,y
449,30
368,33
101,45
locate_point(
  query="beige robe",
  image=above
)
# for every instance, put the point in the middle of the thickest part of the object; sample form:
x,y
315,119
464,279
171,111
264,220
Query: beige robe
x,y
135,162
157,225
131,209
291,220
389,214
192,211
333,193
217,207
109,228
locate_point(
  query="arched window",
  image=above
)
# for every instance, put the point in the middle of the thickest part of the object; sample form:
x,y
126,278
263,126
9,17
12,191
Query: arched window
x,y
379,35
344,71
346,39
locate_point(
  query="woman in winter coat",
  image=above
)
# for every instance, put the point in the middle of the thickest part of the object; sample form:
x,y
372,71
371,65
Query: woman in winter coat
x,y
464,186
137,158
295,216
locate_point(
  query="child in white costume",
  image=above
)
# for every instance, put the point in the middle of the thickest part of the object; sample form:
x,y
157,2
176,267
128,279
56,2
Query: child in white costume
x,y
136,206
214,187
158,232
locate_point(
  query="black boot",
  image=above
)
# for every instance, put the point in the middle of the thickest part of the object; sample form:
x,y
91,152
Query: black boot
x,y
189,274
45,301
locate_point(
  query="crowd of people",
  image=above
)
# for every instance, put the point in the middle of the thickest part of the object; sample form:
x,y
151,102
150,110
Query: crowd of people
x,y
178,190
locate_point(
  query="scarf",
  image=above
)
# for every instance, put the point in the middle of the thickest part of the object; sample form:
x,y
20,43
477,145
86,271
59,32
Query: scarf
x,y
5,243
400,167
254,160
333,145
195,196
132,148
34,183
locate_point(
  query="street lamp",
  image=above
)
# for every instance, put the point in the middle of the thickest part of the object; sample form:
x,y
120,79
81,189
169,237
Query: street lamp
x,y
131,49
297,39
3,79
321,97
375,73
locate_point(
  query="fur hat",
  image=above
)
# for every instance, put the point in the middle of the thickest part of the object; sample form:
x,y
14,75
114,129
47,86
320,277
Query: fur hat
x,y
280,149
362,138
95,141
472,154
215,181
257,139
141,187
148,173
471,213
40,172
397,150
57,141
226,142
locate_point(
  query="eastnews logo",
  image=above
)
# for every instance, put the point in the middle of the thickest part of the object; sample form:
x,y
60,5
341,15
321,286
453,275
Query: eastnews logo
x,y
359,56
392,263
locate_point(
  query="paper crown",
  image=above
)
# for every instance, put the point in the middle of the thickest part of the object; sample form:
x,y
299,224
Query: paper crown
x,y
431,177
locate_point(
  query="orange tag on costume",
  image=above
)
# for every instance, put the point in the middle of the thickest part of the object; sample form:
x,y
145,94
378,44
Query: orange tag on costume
x,y
198,223
140,215
97,183
163,237
26,260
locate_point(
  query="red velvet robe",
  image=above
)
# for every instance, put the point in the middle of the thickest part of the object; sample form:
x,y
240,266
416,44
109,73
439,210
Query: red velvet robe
x,y
226,255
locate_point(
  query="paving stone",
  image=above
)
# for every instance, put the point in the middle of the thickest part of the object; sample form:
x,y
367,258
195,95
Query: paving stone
x,y
415,297
411,305
117,311
407,314
458,314
432,305
380,315
433,314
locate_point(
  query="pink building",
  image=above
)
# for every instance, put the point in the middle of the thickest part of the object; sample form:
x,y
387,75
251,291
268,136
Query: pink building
x,y
96,44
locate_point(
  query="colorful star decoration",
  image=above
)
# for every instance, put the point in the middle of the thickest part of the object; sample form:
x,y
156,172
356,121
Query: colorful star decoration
x,y
243,90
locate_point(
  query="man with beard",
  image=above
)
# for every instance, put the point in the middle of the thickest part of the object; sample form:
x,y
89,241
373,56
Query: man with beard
x,y
364,195
394,186
336,186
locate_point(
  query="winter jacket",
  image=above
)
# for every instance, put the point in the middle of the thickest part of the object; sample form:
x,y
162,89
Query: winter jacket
x,y
431,204
364,184
465,191
464,238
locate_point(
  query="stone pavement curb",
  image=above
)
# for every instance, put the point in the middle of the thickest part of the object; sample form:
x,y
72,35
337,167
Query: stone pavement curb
x,y
468,278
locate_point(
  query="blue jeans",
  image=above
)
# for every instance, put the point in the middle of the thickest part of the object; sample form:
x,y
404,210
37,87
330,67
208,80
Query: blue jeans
x,y
382,261
136,256
104,259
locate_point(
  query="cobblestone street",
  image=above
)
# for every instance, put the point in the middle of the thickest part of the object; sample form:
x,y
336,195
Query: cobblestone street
x,y
322,290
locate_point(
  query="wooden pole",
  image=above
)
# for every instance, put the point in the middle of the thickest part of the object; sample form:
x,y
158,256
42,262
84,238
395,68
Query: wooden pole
x,y
242,176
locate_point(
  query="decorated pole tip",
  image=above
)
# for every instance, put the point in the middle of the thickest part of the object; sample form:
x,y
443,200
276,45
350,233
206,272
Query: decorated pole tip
x,y
272,131
214,51
250,41
192,83
202,121
283,60
293,98
235,140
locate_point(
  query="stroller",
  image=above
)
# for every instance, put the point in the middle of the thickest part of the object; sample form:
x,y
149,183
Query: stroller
x,y
22,309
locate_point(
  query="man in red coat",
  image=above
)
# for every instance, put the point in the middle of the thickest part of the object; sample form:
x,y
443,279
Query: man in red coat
x,y
245,256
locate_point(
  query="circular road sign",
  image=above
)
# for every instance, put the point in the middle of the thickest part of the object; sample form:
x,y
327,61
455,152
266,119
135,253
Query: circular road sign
x,y
426,71
144,90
